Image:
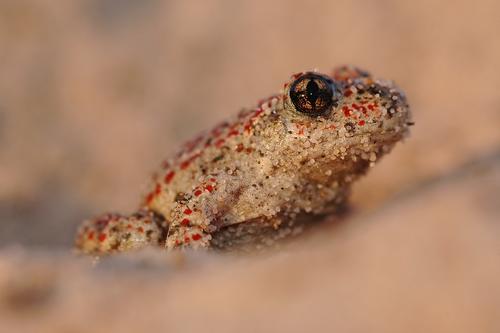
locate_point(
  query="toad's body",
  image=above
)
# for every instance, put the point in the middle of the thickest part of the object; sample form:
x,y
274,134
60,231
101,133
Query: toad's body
x,y
247,180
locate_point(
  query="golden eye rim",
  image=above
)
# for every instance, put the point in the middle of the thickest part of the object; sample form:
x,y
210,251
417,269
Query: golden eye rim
x,y
324,90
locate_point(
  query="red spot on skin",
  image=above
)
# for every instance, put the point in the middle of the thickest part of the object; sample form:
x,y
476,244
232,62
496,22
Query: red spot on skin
x,y
185,222
213,180
186,239
249,150
216,132
355,106
187,211
257,113
347,111
251,121
240,147
348,93
300,128
140,229
186,163
90,236
209,188
196,237
218,129
102,237
129,226
191,145
361,123
169,176
219,143
371,107
197,193
345,73
149,198
158,189
233,133
102,221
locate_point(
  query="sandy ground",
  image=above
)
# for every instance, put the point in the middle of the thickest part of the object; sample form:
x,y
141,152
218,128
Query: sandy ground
x,y
93,95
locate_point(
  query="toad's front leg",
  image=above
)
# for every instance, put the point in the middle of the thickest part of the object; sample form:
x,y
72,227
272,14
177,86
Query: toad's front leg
x,y
201,212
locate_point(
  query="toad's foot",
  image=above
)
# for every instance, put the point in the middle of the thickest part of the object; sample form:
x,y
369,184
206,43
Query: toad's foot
x,y
197,216
111,233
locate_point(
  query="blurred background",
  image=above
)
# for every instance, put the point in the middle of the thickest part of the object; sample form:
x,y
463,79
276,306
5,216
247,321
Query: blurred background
x,y
95,93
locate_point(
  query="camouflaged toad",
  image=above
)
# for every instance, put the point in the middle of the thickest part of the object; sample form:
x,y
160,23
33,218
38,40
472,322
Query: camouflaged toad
x,y
249,181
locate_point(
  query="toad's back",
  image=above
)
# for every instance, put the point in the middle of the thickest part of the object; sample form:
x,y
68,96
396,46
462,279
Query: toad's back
x,y
246,180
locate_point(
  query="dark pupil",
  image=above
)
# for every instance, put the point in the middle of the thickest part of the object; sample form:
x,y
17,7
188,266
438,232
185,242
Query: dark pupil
x,y
312,95
313,92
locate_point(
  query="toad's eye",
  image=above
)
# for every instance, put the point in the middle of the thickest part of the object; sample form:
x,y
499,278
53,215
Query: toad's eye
x,y
313,94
